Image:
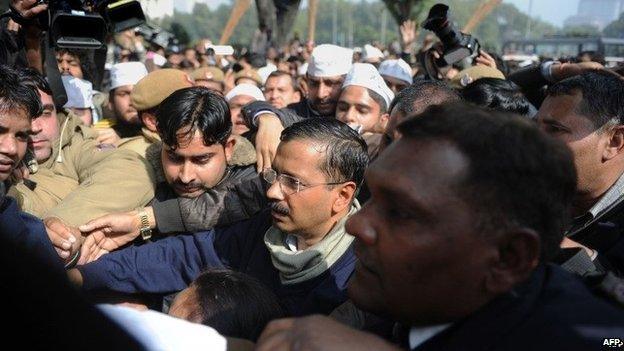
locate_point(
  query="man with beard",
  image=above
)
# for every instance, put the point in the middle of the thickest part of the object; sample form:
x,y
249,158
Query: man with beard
x,y
126,123
297,247
327,70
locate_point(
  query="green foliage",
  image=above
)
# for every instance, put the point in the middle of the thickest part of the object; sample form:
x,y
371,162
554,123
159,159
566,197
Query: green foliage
x,y
360,22
584,30
615,29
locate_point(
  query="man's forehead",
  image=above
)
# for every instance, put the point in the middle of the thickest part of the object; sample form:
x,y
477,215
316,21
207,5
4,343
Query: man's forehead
x,y
355,93
331,79
419,165
17,119
298,156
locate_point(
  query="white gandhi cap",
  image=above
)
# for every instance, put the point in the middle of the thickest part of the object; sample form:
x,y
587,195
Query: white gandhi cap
x,y
398,69
366,75
329,61
127,73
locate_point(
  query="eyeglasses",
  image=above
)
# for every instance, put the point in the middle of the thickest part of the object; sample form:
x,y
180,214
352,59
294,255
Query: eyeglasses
x,y
288,185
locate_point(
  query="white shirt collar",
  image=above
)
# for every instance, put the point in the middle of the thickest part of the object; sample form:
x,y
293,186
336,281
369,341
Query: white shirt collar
x,y
417,336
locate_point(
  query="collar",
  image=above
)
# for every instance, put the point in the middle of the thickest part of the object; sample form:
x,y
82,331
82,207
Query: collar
x,y
419,335
611,196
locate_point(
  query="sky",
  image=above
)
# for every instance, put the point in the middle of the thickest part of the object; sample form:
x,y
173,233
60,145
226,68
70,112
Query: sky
x,y
553,11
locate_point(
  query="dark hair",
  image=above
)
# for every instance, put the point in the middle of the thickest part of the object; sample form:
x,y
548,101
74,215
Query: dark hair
x,y
602,92
15,94
235,304
87,65
346,155
497,94
293,81
517,177
425,92
383,106
33,78
194,109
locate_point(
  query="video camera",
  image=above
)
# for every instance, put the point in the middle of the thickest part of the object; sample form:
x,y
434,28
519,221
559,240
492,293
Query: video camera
x,y
456,46
83,24
158,36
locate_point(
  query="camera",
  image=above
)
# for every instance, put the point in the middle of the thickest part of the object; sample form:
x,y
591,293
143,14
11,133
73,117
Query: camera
x,y
456,46
78,24
158,36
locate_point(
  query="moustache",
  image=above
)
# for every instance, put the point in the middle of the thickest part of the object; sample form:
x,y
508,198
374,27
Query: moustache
x,y
187,186
279,209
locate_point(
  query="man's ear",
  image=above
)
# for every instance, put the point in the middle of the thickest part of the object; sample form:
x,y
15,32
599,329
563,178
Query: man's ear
x,y
383,122
615,143
149,121
346,193
229,147
518,255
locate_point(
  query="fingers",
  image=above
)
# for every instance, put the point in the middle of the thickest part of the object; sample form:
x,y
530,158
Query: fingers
x,y
35,11
103,223
259,161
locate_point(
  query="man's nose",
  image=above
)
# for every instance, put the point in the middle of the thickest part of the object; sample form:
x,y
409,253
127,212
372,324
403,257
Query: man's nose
x,y
274,192
187,173
8,146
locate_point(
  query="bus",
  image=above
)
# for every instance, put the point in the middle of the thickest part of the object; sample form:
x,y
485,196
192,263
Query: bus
x,y
557,47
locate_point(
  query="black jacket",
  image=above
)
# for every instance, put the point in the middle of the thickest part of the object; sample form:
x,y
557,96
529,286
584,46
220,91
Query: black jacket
x,y
553,310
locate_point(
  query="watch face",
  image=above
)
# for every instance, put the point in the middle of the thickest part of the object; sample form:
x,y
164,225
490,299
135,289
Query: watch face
x,y
146,233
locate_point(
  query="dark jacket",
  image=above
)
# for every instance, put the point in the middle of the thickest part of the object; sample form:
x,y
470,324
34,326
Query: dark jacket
x,y
303,109
172,263
605,234
287,115
27,232
553,310
238,196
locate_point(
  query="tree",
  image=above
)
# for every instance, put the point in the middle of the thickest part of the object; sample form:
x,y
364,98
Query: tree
x,y
180,33
615,29
402,10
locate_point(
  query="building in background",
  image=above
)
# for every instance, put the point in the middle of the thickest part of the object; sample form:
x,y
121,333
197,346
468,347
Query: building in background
x,y
595,13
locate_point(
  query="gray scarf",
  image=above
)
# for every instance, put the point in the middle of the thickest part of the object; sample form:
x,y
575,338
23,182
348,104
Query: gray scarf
x,y
297,267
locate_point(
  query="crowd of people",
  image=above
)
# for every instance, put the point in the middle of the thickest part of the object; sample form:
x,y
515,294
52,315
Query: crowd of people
x,y
313,197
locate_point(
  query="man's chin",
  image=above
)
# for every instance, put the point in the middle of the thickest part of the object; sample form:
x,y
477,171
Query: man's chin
x,y
189,195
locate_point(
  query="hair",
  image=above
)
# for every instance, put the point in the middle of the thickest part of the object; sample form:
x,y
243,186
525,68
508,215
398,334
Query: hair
x,y
235,304
497,94
33,78
517,175
194,109
427,92
594,56
602,96
87,65
293,81
383,106
15,94
346,155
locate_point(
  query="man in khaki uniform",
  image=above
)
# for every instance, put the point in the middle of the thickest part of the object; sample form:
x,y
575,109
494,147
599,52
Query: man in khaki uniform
x,y
146,96
75,180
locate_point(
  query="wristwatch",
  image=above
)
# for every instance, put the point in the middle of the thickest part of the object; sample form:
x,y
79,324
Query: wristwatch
x,y
144,230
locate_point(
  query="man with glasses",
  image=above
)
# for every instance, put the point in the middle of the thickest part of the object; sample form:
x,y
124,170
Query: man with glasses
x,y
297,247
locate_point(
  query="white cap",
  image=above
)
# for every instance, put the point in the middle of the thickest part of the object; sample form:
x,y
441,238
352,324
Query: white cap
x,y
366,75
264,72
398,69
159,60
329,61
245,89
79,92
372,54
302,69
127,73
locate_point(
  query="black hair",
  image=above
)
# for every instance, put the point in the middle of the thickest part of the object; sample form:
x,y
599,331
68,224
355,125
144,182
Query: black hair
x,y
235,304
15,94
293,81
517,175
498,94
383,106
87,65
425,93
346,155
32,77
602,93
193,109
